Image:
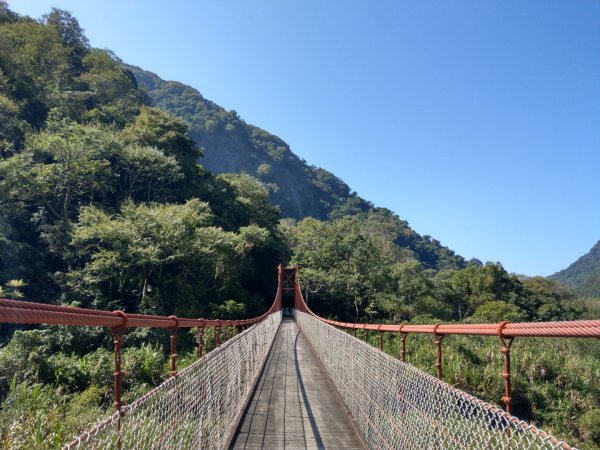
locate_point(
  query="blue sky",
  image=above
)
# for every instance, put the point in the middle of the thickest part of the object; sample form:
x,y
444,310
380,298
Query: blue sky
x,y
476,121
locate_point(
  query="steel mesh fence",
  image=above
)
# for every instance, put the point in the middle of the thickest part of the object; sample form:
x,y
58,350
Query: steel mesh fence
x,y
195,409
397,406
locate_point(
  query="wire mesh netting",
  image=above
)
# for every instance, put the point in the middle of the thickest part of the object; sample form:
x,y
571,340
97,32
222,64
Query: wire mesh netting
x,y
397,406
196,409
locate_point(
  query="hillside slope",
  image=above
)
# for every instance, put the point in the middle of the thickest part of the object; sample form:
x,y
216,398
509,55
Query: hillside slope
x,y
232,145
300,190
583,276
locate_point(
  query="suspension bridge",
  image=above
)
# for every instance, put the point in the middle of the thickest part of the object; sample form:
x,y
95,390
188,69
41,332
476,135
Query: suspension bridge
x,y
290,379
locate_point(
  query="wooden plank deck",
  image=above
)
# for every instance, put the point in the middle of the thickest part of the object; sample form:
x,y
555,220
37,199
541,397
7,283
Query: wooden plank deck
x,y
295,405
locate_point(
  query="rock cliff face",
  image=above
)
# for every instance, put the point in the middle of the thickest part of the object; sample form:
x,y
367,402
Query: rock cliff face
x,y
232,145
583,276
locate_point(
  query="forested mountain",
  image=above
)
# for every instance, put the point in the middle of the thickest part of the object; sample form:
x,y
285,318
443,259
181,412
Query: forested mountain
x,y
583,276
232,145
300,190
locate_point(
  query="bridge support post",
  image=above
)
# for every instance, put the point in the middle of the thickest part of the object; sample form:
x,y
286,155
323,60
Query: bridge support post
x,y
173,339
403,346
506,375
438,345
228,330
117,334
201,341
118,374
218,334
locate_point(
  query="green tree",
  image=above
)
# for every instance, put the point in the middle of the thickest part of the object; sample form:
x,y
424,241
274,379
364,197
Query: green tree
x,y
244,201
552,300
341,264
6,15
412,294
144,173
59,170
159,258
12,128
12,289
71,34
69,166
156,128
497,311
126,255
477,285
230,310
114,97
35,61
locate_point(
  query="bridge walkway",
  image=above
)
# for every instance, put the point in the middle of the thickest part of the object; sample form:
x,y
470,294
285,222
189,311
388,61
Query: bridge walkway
x,y
295,405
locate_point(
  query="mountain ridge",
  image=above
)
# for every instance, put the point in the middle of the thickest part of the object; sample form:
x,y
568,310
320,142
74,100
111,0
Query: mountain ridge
x,y
300,190
582,276
232,145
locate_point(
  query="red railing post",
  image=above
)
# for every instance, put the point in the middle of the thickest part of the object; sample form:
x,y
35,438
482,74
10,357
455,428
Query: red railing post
x,y
218,333
201,340
403,345
380,339
366,334
117,334
506,375
438,345
118,374
173,338
228,330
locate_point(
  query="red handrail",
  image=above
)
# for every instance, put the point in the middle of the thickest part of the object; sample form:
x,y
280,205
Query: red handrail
x,y
505,331
22,312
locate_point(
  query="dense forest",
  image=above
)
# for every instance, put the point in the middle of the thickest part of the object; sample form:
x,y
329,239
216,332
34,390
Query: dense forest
x,y
106,202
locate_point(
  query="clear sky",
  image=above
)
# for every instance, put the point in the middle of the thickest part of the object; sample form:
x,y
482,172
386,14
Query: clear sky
x,y
476,121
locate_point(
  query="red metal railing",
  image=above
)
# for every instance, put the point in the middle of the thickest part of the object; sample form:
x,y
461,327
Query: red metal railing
x,y
505,331
20,312
13,311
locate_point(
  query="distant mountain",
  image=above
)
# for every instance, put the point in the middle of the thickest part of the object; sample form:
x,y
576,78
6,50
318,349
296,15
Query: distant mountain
x,y
300,190
583,276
